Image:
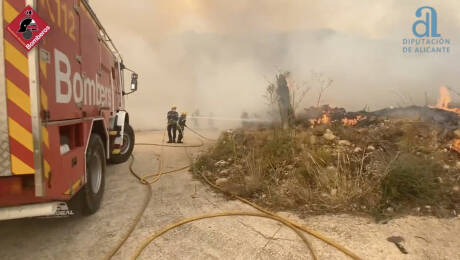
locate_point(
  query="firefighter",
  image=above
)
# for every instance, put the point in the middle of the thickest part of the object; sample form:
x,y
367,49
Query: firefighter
x,y
173,117
181,126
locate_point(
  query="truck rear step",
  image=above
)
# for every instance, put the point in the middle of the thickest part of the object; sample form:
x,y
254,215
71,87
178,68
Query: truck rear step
x,y
35,210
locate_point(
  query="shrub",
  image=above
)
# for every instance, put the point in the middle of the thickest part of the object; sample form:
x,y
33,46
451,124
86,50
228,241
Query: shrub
x,y
411,179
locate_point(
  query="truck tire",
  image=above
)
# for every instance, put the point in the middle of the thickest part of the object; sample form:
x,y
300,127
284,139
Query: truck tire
x,y
127,148
95,175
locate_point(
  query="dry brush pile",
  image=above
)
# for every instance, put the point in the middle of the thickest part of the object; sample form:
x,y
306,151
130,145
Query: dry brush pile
x,y
386,168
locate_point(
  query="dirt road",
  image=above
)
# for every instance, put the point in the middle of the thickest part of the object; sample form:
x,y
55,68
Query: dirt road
x,y
178,196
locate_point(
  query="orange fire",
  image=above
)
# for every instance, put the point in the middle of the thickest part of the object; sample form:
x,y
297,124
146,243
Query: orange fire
x,y
456,145
443,103
352,121
324,119
445,99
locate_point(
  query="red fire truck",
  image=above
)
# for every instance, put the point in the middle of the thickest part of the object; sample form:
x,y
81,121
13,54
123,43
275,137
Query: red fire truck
x,y
62,112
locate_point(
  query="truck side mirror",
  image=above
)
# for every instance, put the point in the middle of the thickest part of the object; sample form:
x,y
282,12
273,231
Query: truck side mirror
x,y
133,82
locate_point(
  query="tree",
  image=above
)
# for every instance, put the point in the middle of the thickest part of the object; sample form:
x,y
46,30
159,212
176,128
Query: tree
x,y
323,82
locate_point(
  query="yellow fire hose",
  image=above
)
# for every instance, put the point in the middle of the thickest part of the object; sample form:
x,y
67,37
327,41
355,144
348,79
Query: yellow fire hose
x,y
200,135
305,229
145,244
266,214
222,214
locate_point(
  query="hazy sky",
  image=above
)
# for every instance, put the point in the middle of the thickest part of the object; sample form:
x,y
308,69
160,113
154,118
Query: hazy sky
x,y
217,55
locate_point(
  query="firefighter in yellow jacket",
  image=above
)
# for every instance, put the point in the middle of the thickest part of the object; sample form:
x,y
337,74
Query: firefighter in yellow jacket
x,y
181,126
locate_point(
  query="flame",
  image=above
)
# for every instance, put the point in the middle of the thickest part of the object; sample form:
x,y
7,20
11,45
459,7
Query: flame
x,y
352,121
444,98
443,103
324,119
456,145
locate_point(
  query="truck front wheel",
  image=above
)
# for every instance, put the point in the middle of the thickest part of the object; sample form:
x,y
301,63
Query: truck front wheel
x,y
95,175
127,148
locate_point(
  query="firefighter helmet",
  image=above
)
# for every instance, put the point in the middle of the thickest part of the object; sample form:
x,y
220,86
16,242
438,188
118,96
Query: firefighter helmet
x,y
25,25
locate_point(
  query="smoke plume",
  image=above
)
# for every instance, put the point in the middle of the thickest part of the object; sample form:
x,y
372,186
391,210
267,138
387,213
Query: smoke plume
x,y
218,56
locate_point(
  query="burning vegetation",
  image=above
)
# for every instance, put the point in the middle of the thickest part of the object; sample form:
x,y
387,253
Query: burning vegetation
x,y
443,103
384,163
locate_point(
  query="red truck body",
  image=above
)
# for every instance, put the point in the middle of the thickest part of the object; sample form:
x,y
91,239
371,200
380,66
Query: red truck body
x,y
52,99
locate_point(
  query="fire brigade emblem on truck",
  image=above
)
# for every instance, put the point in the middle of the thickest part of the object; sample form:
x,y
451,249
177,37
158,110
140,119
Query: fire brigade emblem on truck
x,y
28,28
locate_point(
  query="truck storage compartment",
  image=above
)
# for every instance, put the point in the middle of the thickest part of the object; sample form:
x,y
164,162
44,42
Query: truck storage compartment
x,y
17,190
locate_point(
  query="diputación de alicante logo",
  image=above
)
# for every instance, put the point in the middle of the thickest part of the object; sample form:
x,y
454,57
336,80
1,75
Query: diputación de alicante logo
x,y
28,28
427,37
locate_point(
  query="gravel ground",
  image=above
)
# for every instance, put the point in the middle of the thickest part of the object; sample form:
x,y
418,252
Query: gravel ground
x,y
178,196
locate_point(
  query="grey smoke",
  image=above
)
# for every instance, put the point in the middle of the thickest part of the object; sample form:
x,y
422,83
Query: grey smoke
x,y
217,55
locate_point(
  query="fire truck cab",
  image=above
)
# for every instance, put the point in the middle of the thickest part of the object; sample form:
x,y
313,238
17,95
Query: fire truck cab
x,y
62,112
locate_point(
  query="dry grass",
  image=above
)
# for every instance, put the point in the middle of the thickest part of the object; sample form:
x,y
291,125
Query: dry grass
x,y
304,172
